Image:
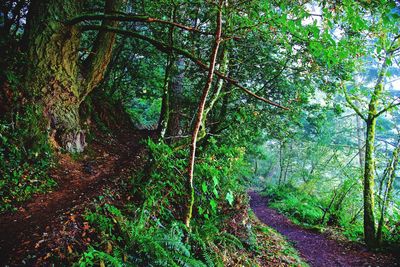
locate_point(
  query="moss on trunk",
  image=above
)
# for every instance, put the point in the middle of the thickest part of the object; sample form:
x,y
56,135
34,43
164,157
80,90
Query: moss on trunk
x,y
369,170
54,73
369,218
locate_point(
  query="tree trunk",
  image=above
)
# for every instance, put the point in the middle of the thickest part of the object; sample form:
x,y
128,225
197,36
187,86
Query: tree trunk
x,y
391,174
54,73
369,172
281,162
174,125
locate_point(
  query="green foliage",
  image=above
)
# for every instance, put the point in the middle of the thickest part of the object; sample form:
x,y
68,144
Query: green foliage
x,y
218,172
136,240
25,158
145,112
147,232
307,208
300,207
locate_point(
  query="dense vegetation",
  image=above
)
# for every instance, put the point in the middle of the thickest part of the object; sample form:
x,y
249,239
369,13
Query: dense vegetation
x,y
295,98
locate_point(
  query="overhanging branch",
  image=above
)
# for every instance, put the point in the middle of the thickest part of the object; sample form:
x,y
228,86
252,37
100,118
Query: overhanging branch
x,y
167,49
132,18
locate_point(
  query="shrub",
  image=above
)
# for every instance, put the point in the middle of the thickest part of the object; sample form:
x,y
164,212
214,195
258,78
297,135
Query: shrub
x,y
25,158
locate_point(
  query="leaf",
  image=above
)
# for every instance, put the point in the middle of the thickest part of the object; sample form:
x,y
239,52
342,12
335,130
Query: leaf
x,y
216,181
229,197
204,187
213,205
215,192
201,211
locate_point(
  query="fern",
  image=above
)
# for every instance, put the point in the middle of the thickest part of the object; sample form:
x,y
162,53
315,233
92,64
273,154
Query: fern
x,y
228,238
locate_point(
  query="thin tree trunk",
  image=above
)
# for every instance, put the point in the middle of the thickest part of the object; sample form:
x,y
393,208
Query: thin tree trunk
x,y
327,209
369,169
199,117
281,162
165,105
388,191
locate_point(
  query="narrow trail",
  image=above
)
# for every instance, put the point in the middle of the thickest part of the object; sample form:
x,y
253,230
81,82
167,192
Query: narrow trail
x,y
316,248
79,182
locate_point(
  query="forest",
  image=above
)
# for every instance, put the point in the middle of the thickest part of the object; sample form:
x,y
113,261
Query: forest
x,y
199,133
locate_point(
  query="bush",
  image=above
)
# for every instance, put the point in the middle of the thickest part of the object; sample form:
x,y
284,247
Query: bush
x,y
299,207
148,232
25,158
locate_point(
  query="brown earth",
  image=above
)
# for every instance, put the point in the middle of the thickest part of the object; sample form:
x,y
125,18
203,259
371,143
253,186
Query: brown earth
x,y
104,165
316,248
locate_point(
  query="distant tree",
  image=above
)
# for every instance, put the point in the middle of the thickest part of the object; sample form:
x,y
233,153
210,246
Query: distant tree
x,y
386,39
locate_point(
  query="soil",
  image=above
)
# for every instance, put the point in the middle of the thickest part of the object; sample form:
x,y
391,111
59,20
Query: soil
x,y
79,182
317,248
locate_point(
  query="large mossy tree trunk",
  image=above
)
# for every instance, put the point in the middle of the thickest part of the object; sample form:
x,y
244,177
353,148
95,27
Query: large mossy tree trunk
x,y
53,70
56,77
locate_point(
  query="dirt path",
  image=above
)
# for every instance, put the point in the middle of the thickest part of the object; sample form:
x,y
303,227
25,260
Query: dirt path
x,y
317,249
78,183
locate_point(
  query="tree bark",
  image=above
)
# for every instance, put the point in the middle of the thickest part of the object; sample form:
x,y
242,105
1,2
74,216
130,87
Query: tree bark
x,y
369,169
54,73
165,108
174,125
281,162
369,176
369,164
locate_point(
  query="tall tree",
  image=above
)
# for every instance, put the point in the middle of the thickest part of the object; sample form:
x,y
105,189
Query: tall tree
x,y
370,118
55,74
200,111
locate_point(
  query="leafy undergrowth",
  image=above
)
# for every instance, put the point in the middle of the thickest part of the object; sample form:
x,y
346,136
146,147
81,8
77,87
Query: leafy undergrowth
x,y
307,210
128,236
143,227
301,208
25,153
25,158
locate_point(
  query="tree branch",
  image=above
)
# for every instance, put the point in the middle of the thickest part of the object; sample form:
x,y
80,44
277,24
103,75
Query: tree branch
x,y
132,18
352,105
393,105
95,65
167,49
